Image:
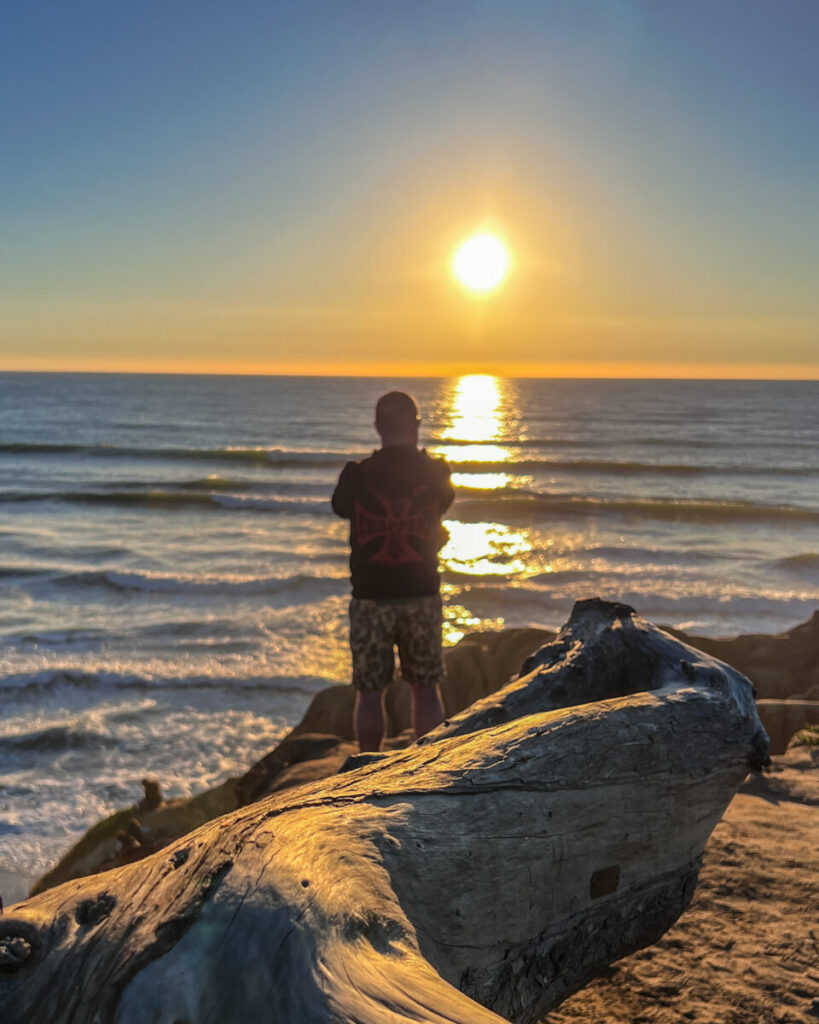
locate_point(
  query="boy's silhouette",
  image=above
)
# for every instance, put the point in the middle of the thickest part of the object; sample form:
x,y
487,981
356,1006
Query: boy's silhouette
x,y
394,500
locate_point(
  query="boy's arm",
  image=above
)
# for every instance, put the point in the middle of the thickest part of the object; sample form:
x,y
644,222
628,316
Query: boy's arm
x,y
447,490
342,500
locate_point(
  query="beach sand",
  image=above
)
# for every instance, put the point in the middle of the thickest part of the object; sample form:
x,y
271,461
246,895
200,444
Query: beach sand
x,y
746,951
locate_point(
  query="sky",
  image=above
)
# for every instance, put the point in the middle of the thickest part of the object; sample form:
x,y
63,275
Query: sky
x,y
278,187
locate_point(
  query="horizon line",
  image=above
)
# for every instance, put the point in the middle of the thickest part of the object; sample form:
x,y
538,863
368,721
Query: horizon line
x,y
793,372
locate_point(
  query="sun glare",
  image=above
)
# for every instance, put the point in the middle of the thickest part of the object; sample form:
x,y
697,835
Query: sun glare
x,y
481,263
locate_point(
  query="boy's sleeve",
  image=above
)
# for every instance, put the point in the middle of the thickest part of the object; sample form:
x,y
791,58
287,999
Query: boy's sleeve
x,y
342,500
447,490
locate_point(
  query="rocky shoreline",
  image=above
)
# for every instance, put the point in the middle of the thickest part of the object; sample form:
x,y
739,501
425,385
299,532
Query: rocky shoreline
x,y
486,872
746,950
783,668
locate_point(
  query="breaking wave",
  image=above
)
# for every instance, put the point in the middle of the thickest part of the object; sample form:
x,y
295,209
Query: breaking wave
x,y
296,458
255,456
807,561
177,498
21,572
58,678
608,467
306,588
56,739
717,609
506,505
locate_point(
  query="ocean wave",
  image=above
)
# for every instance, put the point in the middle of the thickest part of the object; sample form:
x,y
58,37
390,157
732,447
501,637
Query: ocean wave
x,y
603,466
56,739
505,505
21,572
641,556
80,679
548,605
608,467
216,484
208,484
251,503
36,448
310,588
57,638
295,458
807,561
176,499
694,442
261,456
552,442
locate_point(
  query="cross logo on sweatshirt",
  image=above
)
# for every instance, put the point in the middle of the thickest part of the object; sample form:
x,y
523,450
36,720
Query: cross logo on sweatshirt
x,y
395,527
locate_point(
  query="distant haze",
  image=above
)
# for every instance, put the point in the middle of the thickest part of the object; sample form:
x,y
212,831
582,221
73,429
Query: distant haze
x,y
262,187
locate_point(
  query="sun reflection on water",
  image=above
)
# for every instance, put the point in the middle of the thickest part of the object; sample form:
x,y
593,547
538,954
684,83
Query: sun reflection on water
x,y
484,549
476,409
476,422
481,481
481,417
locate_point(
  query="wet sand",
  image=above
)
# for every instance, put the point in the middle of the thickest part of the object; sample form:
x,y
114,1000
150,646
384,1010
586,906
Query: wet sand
x,y
747,949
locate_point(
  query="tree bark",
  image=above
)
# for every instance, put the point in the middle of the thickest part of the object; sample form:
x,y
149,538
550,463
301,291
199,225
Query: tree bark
x,y
484,873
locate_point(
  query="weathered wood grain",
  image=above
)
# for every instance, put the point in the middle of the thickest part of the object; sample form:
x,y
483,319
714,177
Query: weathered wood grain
x,y
490,870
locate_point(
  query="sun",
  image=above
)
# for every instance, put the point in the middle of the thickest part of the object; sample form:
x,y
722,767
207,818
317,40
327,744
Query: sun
x,y
481,263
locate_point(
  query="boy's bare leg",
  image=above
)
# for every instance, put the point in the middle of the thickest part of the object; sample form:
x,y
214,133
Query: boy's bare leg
x,y
426,709
369,719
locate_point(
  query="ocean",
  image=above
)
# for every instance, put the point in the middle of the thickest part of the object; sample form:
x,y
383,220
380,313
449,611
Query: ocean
x,y
173,584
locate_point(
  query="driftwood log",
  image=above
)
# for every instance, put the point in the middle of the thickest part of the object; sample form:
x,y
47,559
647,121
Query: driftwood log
x,y
484,873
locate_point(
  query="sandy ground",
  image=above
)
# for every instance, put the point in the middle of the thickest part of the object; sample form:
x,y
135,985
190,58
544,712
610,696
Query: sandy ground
x,y
747,949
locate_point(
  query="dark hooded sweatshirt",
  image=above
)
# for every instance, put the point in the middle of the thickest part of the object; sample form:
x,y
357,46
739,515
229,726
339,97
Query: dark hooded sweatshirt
x,y
394,500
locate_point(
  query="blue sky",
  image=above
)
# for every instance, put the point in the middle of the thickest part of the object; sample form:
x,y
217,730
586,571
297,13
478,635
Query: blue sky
x,y
252,185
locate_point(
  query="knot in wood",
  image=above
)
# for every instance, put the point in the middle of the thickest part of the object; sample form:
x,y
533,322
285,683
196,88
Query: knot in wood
x,y
179,857
91,912
19,941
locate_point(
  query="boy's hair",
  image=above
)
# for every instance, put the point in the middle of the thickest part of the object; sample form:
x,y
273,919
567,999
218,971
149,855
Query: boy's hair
x,y
396,411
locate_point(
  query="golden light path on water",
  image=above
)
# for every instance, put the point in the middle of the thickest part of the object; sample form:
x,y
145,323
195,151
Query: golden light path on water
x,y
478,420
476,415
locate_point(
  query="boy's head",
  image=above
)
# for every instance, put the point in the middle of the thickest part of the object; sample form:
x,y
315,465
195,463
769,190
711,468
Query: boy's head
x,y
397,418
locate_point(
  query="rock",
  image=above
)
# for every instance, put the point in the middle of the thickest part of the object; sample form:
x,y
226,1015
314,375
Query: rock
x,y
793,776
784,718
330,713
153,795
782,666
295,748
490,870
100,848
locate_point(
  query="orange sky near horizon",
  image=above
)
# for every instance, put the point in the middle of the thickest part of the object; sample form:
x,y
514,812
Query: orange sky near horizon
x,y
557,370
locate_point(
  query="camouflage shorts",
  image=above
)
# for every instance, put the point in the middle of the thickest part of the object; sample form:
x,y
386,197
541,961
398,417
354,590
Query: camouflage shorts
x,y
412,625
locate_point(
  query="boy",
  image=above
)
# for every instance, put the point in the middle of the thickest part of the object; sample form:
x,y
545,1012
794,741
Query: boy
x,y
394,500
